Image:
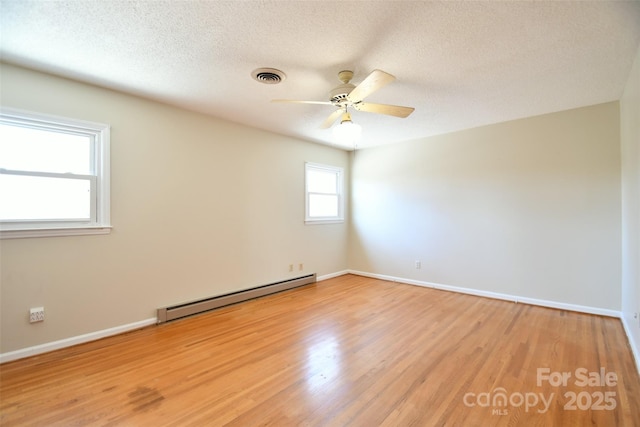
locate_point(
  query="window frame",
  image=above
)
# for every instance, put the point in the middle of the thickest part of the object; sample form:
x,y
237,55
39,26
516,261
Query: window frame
x,y
99,180
339,193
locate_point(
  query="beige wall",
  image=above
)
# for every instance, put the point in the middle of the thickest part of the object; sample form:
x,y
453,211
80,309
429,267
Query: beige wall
x,y
528,208
202,207
199,206
630,142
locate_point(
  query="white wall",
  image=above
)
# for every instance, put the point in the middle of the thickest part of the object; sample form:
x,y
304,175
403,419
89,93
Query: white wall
x,y
630,143
199,206
529,208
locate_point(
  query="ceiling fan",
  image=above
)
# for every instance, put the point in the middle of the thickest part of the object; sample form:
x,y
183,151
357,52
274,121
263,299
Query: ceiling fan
x,y
348,96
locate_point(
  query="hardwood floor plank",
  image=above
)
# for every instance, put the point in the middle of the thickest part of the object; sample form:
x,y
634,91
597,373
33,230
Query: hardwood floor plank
x,y
347,351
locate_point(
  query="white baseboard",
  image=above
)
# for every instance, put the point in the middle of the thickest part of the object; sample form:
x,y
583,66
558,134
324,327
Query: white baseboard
x,y
68,342
495,295
331,275
92,336
635,346
80,339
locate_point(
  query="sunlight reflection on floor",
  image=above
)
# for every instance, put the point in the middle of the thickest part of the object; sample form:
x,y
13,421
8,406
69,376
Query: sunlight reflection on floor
x,y
323,364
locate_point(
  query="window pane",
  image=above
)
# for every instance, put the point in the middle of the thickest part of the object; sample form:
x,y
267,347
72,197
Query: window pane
x,y
321,205
29,149
41,198
321,181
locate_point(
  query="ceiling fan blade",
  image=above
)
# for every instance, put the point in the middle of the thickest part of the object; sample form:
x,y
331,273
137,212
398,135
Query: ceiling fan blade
x,y
390,110
332,118
374,81
302,102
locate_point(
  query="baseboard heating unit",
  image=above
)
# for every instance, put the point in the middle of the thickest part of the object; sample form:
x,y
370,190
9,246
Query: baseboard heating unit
x,y
167,314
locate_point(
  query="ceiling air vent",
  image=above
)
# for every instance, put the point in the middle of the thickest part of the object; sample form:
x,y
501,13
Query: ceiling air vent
x,y
268,76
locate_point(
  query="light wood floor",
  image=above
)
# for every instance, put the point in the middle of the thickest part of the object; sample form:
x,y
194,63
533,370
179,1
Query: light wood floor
x,y
347,351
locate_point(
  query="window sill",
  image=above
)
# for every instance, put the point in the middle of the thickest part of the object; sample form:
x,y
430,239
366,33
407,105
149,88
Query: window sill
x,y
55,232
323,221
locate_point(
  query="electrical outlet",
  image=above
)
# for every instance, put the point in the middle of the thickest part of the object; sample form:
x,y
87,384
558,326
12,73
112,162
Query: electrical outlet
x,y
290,267
36,315
301,266
418,265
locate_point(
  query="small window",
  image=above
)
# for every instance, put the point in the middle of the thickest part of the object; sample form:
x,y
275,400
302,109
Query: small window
x,y
324,193
54,176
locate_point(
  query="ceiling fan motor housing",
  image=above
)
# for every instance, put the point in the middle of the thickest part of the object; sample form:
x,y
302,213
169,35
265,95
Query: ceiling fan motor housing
x,y
339,94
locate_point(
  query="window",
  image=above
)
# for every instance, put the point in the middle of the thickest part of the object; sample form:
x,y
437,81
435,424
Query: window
x,y
54,176
324,193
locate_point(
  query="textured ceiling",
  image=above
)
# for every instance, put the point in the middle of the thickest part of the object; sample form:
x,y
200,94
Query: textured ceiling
x,y
460,64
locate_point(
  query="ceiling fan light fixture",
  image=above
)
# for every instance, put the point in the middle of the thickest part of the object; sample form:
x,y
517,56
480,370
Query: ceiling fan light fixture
x,y
347,133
